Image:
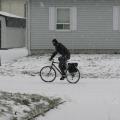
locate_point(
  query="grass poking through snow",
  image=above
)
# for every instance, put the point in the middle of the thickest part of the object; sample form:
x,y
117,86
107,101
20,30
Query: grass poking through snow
x,y
16,106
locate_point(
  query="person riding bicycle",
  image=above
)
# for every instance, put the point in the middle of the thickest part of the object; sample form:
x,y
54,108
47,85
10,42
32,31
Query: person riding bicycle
x,y
65,55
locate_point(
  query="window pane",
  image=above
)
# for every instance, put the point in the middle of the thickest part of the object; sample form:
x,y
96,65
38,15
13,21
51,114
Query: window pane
x,y
63,15
67,26
59,26
63,26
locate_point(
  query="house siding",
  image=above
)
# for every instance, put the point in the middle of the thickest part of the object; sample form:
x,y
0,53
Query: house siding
x,y
11,37
15,38
94,25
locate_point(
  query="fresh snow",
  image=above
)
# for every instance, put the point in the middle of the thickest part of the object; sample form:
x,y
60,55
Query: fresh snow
x,y
95,97
9,14
12,54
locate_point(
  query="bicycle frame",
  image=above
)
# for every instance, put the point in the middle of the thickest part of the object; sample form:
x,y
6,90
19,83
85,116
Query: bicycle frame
x,y
54,66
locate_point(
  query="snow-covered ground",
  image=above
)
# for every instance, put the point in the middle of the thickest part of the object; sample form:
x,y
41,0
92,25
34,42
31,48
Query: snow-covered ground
x,y
17,106
95,97
12,54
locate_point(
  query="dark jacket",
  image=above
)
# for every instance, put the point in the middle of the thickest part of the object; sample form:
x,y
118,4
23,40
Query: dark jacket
x,y
62,50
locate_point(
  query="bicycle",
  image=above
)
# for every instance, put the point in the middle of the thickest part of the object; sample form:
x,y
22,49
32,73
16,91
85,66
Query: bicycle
x,y
48,73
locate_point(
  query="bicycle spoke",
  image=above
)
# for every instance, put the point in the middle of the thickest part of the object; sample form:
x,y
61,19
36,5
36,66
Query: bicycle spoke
x,y
48,74
73,77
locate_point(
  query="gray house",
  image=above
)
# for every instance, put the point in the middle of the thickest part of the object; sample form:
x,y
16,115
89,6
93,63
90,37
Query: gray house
x,y
84,25
12,31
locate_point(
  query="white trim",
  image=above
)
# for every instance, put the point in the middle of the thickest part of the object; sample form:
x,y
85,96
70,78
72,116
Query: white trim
x,y
73,18
51,18
116,17
64,30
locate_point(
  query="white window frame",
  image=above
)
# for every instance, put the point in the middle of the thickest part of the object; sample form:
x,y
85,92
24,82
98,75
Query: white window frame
x,y
62,23
53,19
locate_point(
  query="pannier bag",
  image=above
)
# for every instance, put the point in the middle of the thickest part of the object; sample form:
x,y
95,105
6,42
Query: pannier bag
x,y
72,67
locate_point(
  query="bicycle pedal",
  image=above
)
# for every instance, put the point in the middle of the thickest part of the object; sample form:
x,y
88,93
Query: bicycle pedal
x,y
62,78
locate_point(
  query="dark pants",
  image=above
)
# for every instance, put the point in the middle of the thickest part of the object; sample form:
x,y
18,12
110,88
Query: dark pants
x,y
63,63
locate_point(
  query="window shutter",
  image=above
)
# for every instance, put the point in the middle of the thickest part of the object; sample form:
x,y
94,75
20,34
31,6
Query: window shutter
x,y
116,18
73,18
51,18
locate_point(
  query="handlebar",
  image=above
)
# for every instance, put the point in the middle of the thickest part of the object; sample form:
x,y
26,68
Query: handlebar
x,y
53,61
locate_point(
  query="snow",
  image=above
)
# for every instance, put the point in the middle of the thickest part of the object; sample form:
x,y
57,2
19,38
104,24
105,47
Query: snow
x,y
95,97
25,106
12,54
9,15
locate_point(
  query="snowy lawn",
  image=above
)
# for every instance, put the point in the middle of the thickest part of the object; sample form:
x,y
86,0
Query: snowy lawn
x,y
90,66
16,106
12,54
95,97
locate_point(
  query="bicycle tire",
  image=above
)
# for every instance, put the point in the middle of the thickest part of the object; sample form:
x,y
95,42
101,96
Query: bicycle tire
x,y
46,75
71,77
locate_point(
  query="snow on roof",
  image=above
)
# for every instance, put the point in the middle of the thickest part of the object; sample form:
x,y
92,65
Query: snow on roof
x,y
10,15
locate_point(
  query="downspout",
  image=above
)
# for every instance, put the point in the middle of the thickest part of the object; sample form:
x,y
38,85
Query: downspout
x,y
28,28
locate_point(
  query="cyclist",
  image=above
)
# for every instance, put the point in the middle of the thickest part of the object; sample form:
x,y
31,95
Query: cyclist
x,y
65,55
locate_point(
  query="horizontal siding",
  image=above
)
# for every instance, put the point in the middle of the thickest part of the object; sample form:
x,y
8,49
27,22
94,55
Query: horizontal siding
x,y
94,23
15,38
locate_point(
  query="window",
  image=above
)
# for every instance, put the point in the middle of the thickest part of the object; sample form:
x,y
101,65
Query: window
x,y
116,18
63,18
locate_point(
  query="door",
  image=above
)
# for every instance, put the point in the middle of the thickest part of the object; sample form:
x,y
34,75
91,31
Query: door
x,y
0,34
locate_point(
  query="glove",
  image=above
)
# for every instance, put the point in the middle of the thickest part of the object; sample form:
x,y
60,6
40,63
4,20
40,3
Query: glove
x,y
50,59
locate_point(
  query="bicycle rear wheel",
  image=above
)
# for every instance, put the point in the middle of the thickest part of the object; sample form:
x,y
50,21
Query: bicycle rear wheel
x,y
48,74
73,77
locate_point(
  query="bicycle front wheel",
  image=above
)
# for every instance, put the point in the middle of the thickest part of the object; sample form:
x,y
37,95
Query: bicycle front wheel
x,y
73,77
48,74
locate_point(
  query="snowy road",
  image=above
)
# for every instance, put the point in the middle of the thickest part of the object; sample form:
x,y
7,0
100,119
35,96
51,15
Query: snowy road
x,y
90,99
